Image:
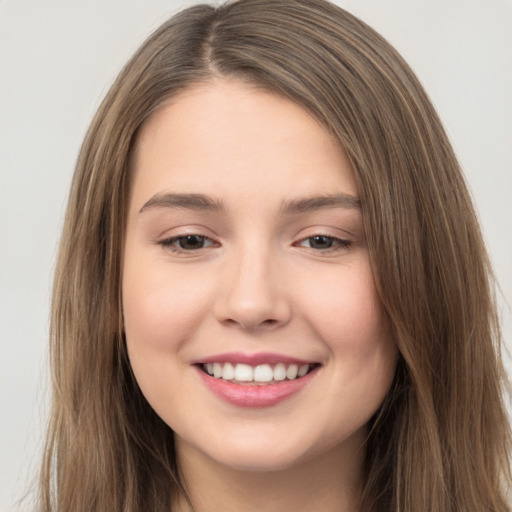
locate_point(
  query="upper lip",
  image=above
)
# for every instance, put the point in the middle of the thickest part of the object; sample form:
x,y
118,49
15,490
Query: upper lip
x,y
252,359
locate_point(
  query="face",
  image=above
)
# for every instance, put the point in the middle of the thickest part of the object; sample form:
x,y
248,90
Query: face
x,y
252,321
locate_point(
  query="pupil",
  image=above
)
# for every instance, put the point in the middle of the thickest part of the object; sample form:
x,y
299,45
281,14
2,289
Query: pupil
x,y
321,242
192,242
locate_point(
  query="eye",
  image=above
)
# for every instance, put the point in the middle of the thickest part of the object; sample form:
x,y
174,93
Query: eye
x,y
187,243
324,243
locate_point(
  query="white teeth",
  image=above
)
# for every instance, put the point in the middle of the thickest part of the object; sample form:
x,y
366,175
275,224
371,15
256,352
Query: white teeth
x,y
262,373
279,372
292,371
303,370
228,372
243,373
217,370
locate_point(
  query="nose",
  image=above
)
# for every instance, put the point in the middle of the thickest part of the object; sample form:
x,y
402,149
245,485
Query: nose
x,y
253,294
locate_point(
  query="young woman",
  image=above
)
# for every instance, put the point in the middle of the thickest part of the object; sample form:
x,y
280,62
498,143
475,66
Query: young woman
x,y
272,292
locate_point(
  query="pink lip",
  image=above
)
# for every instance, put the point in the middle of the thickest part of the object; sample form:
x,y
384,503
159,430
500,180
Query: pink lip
x,y
252,359
247,395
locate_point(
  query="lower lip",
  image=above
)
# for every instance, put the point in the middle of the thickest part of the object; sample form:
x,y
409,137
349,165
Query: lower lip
x,y
247,395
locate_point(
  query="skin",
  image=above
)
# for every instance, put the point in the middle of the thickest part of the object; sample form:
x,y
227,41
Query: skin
x,y
258,282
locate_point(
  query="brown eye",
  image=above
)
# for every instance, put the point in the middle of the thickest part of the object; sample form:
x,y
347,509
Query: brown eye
x,y
324,243
321,242
191,242
187,243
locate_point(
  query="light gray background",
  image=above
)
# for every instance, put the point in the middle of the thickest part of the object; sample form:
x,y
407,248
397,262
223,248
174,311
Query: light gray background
x,y
57,59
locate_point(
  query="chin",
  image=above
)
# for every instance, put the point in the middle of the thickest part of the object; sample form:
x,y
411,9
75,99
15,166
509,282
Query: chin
x,y
260,461
264,451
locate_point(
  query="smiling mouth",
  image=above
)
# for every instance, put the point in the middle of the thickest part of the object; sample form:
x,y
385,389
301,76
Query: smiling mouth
x,y
259,375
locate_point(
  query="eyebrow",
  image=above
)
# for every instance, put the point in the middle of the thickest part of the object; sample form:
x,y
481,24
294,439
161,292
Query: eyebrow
x,y
308,204
207,203
187,201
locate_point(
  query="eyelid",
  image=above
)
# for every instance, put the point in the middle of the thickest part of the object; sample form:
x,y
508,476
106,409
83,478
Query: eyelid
x,y
339,242
168,243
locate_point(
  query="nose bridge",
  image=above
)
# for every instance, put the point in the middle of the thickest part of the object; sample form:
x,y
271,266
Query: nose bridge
x,y
253,295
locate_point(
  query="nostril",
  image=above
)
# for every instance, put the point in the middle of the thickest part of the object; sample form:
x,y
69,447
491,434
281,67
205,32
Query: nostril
x,y
252,311
250,324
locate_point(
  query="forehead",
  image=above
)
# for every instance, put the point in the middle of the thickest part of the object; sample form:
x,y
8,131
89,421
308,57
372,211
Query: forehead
x,y
229,138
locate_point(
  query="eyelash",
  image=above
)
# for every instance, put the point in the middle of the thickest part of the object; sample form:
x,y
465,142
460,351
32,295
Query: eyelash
x,y
338,244
171,244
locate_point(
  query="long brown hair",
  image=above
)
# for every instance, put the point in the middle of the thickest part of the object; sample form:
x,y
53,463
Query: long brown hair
x,y
441,440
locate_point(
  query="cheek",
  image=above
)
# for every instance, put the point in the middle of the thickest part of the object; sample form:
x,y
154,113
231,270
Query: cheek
x,y
347,315
161,308
346,309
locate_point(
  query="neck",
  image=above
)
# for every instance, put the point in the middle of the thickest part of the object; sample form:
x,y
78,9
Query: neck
x,y
330,481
